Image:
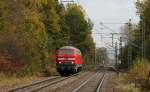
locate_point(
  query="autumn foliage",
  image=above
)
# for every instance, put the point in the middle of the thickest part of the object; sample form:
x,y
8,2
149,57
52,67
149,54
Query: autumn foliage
x,y
31,31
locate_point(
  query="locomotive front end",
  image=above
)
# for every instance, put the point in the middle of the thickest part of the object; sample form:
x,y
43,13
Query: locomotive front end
x,y
67,60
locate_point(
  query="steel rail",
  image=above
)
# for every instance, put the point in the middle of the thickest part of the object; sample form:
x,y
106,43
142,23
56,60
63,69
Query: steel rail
x,y
38,85
46,85
79,87
51,83
100,84
32,84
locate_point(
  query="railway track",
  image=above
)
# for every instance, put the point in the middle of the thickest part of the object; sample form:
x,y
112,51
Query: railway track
x,y
96,80
98,89
88,85
34,87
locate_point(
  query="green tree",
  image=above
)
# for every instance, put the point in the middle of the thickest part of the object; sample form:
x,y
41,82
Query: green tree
x,y
140,35
101,55
144,25
80,30
52,22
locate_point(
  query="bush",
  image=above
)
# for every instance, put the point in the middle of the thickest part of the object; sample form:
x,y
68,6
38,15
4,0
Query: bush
x,y
139,70
138,74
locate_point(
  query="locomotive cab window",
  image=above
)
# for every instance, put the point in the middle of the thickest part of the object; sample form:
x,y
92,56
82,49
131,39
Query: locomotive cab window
x,y
70,51
66,51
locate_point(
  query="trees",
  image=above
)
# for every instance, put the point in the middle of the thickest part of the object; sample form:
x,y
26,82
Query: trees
x,y
24,21
31,31
130,50
101,55
51,22
144,25
140,35
79,30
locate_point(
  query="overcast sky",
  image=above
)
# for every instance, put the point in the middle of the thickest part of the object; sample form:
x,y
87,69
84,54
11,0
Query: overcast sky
x,y
108,11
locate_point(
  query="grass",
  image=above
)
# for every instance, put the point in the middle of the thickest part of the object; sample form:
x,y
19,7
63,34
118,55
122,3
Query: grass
x,y
6,81
14,79
88,67
126,88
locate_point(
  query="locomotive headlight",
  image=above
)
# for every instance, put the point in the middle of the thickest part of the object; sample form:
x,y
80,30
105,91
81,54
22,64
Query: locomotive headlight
x,y
72,62
59,62
71,58
61,58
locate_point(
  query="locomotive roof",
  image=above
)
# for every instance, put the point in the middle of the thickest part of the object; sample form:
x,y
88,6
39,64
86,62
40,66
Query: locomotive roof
x,y
68,47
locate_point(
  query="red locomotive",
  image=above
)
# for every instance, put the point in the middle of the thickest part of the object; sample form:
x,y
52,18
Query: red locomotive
x,y
68,60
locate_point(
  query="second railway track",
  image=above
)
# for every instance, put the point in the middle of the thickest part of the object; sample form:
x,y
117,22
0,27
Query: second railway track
x,y
38,86
93,84
26,88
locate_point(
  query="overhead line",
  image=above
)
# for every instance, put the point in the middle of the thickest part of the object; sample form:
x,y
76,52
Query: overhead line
x,y
112,23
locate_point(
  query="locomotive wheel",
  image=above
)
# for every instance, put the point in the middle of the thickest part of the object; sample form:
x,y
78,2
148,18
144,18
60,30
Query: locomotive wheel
x,y
80,69
62,74
75,70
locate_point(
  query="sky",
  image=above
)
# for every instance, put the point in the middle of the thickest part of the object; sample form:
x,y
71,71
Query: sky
x,y
107,12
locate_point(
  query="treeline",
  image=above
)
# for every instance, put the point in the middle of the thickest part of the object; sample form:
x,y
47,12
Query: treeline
x,y
31,31
139,43
101,56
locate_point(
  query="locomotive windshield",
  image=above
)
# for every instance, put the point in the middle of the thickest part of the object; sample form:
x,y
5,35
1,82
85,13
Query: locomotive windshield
x,y
66,51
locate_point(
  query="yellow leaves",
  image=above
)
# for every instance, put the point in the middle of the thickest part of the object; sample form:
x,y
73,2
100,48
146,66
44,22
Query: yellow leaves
x,y
1,3
34,18
38,32
25,19
39,2
33,3
12,28
76,8
51,17
54,21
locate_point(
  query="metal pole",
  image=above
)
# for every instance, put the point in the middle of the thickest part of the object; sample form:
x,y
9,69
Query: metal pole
x,y
112,39
143,44
95,55
129,43
116,54
67,1
143,38
120,48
